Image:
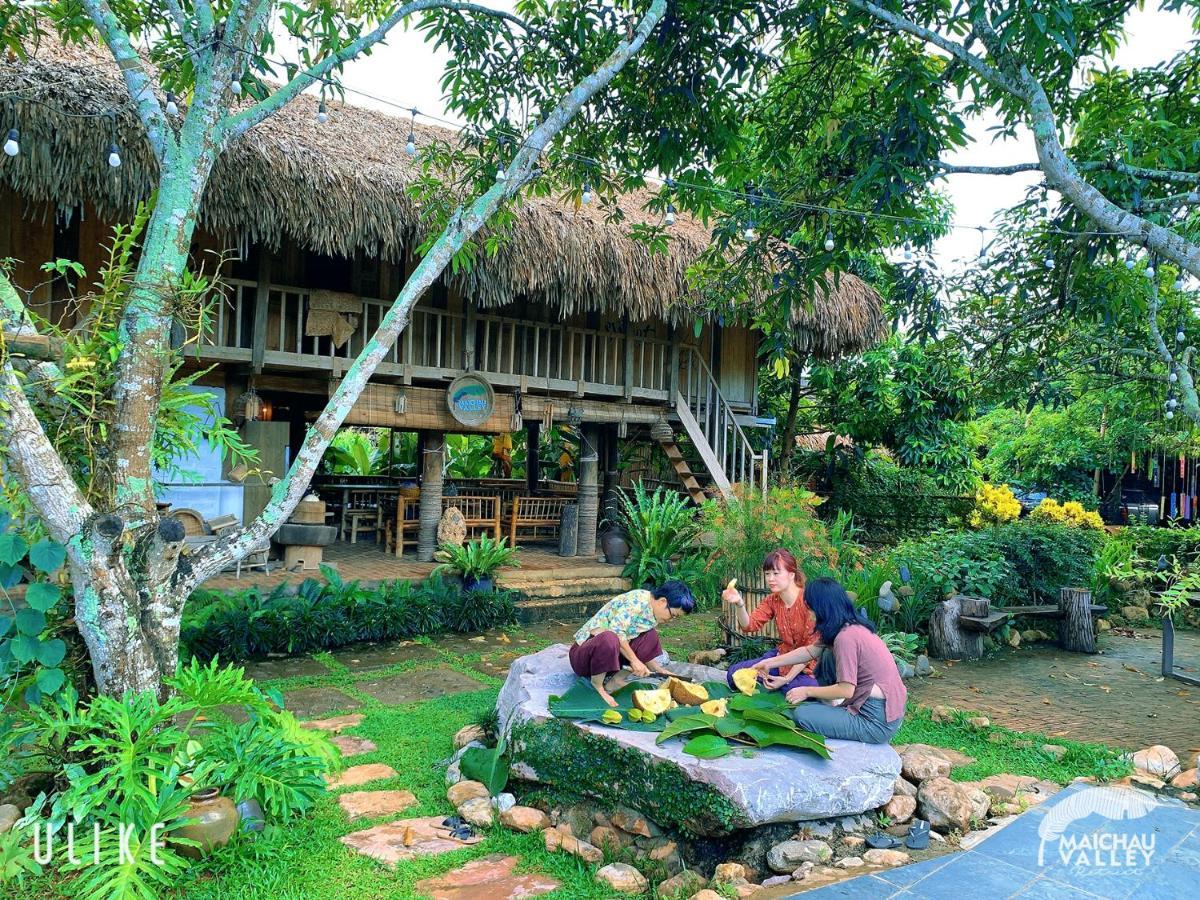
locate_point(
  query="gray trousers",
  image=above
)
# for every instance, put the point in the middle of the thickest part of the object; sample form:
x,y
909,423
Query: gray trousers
x,y
869,726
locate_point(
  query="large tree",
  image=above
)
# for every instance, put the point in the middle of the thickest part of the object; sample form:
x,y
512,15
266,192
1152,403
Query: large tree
x,y
568,64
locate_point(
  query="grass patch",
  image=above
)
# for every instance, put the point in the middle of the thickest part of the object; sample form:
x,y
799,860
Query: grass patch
x,y
998,750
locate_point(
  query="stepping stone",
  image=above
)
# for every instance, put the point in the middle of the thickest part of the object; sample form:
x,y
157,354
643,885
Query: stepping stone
x,y
284,667
488,878
406,839
419,685
312,701
365,659
353,746
360,775
372,804
335,725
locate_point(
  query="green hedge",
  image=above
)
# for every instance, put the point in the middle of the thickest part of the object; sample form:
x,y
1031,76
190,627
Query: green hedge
x,y
324,615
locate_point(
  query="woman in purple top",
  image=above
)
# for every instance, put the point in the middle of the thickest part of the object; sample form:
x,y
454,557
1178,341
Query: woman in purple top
x,y
866,700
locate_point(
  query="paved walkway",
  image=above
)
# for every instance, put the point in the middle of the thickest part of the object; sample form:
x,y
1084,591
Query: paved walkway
x,y
1116,697
1084,843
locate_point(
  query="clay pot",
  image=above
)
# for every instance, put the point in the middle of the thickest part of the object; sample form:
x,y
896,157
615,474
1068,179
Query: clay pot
x,y
216,819
615,546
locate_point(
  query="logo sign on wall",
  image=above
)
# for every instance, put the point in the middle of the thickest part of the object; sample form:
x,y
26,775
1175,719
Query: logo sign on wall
x,y
471,399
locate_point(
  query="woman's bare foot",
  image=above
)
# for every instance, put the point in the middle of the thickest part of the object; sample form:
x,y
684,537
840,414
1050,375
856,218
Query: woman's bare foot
x,y
607,697
617,682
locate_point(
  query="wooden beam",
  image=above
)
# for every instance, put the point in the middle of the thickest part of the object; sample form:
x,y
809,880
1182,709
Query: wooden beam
x,y
470,332
628,361
262,299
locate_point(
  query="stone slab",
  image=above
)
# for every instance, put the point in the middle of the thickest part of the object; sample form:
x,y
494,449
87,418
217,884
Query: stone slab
x,y
372,804
284,667
775,785
406,839
419,685
350,745
380,656
314,701
488,878
335,724
356,775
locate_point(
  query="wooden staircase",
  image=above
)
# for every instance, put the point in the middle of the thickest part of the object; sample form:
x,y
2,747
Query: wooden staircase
x,y
683,469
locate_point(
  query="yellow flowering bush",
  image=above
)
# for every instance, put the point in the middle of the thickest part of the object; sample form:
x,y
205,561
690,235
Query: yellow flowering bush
x,y
1070,513
994,505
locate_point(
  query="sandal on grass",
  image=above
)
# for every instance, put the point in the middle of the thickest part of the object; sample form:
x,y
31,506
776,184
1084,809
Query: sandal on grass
x,y
881,841
918,835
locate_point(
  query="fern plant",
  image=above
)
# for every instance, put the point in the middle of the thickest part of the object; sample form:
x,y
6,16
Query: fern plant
x,y
660,528
475,560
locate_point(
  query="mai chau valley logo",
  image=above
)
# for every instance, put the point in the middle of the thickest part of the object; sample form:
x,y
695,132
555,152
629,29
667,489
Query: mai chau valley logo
x,y
1098,830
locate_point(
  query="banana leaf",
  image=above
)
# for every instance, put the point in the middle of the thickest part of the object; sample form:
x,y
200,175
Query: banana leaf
x,y
718,690
730,725
684,724
770,735
707,746
771,700
583,704
488,766
768,716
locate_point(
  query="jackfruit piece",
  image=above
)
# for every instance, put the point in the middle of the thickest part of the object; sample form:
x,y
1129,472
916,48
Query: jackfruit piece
x,y
746,681
715,707
732,584
652,701
687,693
611,717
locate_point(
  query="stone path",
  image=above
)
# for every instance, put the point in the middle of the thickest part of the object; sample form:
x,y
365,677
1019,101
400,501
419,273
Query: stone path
x,y
1084,843
488,878
1116,697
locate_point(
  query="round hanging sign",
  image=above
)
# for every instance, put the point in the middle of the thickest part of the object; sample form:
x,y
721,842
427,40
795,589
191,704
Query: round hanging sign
x,y
471,399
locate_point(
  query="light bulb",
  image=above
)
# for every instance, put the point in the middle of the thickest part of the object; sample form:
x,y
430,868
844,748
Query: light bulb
x,y
411,147
1149,271
587,193
1130,262
1172,378
12,146
750,234
1179,336
1172,403
1048,262
322,113
1170,414
670,216
114,156
235,88
172,106
829,244
907,251
501,175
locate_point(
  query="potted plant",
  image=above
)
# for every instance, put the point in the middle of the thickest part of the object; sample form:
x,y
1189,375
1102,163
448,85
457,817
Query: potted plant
x,y
475,562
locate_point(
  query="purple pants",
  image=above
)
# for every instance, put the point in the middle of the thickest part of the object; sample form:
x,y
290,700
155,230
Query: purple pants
x,y
601,653
798,681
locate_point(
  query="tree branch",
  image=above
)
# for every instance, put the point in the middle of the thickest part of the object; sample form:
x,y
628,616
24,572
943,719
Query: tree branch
x,y
462,226
137,82
179,17
955,49
1090,166
264,109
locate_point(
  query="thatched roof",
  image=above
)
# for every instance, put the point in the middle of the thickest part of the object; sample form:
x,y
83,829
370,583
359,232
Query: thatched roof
x,y
819,442
341,186
842,316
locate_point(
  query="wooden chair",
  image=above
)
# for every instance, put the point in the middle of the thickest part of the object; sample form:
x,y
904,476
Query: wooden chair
x,y
532,513
479,513
363,514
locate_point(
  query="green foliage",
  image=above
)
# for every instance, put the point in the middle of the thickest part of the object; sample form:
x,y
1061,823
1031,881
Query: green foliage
x,y
247,623
661,529
134,760
475,560
488,766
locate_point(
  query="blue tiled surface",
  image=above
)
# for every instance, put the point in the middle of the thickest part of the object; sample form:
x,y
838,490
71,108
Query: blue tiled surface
x,y
1007,863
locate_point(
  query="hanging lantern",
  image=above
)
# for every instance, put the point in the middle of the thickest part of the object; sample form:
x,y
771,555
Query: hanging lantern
x,y
574,416
248,407
661,431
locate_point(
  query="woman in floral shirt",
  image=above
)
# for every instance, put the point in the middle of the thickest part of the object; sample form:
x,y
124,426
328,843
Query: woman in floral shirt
x,y
626,627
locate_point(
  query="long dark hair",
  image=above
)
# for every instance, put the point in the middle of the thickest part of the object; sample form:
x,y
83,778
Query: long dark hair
x,y
832,608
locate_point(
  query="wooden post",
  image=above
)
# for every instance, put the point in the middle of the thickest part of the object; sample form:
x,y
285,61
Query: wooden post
x,y
262,300
673,365
589,498
434,451
533,461
947,638
1076,630
471,329
628,359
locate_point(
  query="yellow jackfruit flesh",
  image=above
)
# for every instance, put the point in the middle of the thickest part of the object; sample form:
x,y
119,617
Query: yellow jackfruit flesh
x,y
652,701
732,584
746,681
715,707
687,693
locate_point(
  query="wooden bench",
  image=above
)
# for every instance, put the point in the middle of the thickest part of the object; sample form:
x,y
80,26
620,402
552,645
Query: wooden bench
x,y
479,512
532,513
958,624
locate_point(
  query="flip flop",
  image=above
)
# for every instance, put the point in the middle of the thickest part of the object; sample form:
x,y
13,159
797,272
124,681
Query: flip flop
x,y
462,833
918,835
881,841
452,822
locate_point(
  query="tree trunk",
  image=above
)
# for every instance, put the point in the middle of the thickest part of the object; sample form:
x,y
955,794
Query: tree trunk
x,y
788,448
430,512
589,496
947,638
1076,630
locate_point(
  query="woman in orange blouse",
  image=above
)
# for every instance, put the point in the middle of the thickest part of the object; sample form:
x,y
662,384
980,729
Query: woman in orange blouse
x,y
795,622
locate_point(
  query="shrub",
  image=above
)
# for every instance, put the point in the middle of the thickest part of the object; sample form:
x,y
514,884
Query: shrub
x,y
891,502
994,505
661,529
247,624
477,559
1071,514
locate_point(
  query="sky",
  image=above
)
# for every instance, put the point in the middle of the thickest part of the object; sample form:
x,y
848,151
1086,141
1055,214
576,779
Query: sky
x,y
405,73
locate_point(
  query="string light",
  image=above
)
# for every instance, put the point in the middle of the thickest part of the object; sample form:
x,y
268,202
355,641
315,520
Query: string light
x,y
114,155
1172,378
908,253
235,88
1048,262
172,106
322,113
1130,261
1150,270
749,234
669,218
587,193
411,146
1170,415
1180,336
829,244
12,146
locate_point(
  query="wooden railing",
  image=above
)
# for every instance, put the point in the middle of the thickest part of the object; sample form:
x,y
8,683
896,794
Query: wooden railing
x,y
709,421
438,343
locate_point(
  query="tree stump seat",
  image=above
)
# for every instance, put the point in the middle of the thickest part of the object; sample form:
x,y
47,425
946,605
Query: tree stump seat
x,y
958,623
984,624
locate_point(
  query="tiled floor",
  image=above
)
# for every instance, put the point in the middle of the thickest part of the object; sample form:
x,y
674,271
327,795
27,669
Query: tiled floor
x,y
365,561
1067,849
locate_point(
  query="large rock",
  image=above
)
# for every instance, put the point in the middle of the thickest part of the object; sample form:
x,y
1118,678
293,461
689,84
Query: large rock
x,y
945,805
622,878
710,797
1159,761
790,855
